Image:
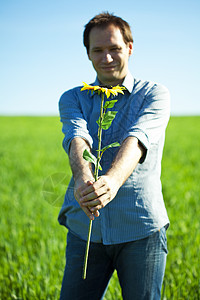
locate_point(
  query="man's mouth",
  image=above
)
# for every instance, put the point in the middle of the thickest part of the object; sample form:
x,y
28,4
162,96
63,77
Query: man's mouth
x,y
108,68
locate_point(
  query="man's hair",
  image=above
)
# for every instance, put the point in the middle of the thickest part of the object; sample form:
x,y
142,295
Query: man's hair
x,y
103,20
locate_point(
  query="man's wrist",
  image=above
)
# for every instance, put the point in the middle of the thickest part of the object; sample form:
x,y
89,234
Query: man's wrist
x,y
83,178
115,177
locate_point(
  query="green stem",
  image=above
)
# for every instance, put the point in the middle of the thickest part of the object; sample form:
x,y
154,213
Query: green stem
x,y
95,178
87,250
99,139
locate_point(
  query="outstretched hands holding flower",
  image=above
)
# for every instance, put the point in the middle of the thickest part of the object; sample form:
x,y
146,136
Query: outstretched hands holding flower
x,y
95,195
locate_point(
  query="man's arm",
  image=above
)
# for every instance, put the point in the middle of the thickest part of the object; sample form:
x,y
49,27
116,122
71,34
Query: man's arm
x,y
82,172
98,194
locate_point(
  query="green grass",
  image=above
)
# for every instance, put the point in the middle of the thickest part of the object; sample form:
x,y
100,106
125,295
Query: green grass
x,y
32,243
181,188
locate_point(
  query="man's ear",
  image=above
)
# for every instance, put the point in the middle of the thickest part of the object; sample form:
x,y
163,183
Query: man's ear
x,y
130,47
88,54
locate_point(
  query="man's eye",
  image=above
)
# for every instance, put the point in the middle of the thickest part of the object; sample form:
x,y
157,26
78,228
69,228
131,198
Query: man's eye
x,y
116,49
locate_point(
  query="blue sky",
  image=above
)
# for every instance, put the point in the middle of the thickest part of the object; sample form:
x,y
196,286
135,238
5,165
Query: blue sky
x,y
42,55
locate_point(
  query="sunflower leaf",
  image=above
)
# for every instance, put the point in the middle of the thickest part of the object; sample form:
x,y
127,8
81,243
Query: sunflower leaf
x,y
88,156
107,119
116,144
109,104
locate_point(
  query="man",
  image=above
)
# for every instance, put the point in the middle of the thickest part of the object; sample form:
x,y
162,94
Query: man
x,y
126,202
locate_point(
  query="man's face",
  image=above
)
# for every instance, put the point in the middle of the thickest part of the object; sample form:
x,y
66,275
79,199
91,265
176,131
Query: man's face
x,y
109,54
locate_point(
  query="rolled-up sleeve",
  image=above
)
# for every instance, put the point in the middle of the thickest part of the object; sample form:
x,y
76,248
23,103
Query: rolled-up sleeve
x,y
71,116
152,117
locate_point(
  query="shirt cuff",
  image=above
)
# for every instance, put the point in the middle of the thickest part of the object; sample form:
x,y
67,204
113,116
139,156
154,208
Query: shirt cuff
x,y
67,140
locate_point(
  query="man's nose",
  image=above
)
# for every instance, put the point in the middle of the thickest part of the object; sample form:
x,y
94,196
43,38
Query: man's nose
x,y
107,57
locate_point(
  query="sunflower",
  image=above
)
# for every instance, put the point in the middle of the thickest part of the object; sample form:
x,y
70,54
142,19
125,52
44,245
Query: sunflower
x,y
102,89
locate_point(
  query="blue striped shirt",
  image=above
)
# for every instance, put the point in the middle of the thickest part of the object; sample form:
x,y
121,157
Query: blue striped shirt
x,y
138,209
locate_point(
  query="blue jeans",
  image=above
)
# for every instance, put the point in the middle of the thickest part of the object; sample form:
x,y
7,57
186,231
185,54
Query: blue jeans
x,y
140,267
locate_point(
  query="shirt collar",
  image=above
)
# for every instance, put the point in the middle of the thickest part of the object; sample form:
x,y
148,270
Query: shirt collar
x,y
128,82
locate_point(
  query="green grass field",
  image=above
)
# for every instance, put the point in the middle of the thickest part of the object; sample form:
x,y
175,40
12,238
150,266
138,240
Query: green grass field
x,y
32,243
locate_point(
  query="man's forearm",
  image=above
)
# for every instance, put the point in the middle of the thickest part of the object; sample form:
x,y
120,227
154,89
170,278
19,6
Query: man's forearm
x,y
126,160
81,169
82,173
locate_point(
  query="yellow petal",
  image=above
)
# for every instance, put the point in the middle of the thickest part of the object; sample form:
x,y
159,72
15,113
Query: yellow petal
x,y
119,89
113,92
96,87
107,93
85,86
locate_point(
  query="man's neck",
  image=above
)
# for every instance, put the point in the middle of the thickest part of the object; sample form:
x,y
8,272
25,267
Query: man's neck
x,y
111,83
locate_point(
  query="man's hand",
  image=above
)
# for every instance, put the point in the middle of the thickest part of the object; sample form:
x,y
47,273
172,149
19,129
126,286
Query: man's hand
x,y
80,190
96,195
